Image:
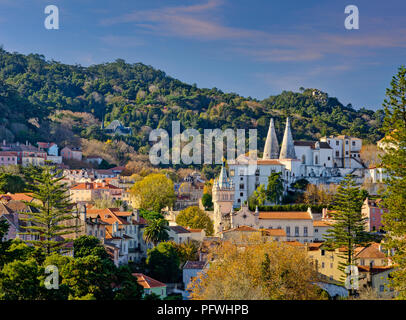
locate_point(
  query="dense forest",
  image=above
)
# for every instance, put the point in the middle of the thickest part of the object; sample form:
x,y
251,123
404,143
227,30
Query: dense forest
x,y
42,99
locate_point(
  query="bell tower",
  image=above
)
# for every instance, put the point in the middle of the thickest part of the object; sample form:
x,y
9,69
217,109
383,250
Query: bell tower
x,y
223,199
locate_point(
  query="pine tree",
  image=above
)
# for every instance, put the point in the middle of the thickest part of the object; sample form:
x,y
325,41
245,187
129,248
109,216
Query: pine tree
x,y
394,163
348,229
53,209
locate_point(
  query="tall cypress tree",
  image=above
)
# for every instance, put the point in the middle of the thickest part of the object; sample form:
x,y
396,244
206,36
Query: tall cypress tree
x,y
348,229
274,190
394,163
51,199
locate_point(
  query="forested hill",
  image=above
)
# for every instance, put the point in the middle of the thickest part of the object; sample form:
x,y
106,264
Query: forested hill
x,y
34,91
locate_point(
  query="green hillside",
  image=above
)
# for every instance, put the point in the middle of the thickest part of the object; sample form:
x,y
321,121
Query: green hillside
x,y
33,91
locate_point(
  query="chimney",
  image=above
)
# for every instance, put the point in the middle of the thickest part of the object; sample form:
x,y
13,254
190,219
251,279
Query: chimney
x,y
4,142
26,142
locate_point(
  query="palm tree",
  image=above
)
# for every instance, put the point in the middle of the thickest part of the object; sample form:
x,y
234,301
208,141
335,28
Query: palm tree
x,y
156,231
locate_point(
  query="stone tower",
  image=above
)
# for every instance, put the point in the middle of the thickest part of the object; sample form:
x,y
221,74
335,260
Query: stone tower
x,y
223,199
271,150
288,147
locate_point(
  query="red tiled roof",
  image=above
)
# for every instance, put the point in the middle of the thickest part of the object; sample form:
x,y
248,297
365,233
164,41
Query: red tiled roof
x,y
147,282
106,215
269,162
93,186
371,252
321,223
314,245
45,144
18,196
285,215
294,243
374,269
275,232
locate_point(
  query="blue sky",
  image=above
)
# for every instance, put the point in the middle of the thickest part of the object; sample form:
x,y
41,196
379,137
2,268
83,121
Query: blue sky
x,y
254,48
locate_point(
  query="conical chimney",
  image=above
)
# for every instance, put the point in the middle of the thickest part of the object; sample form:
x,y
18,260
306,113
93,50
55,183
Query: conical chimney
x,y
271,150
288,147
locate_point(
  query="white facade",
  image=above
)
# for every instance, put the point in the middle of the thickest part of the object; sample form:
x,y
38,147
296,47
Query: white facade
x,y
179,234
376,175
346,151
324,161
54,159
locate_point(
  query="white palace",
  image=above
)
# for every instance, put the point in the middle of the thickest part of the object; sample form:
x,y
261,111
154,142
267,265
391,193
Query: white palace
x,y
325,161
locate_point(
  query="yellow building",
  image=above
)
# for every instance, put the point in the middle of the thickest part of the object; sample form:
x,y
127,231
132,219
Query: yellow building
x,y
373,266
89,191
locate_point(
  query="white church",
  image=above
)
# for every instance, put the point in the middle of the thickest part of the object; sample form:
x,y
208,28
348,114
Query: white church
x,y
325,161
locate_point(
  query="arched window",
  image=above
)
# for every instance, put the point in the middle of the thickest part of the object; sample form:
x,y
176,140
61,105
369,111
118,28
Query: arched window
x,y
316,159
303,159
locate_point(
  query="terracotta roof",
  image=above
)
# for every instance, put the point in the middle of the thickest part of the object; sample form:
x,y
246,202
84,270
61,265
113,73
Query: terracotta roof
x,y
275,232
314,245
374,269
106,215
147,282
93,185
285,215
123,213
45,145
194,265
294,243
269,162
371,252
321,223
19,196
195,230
